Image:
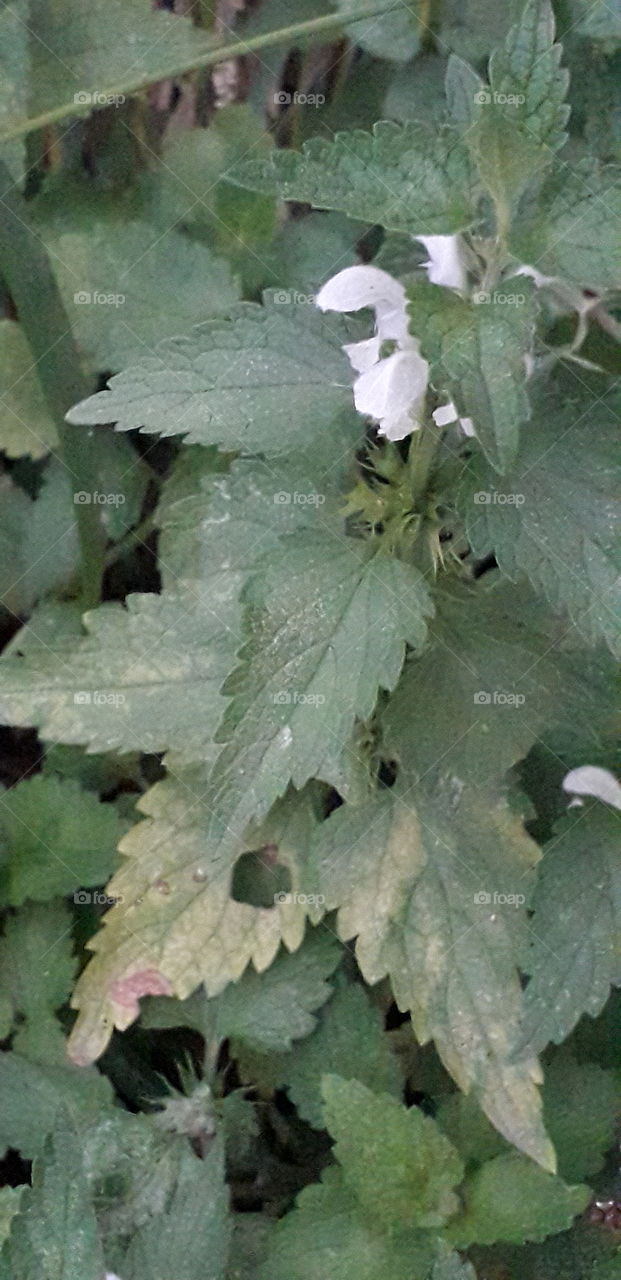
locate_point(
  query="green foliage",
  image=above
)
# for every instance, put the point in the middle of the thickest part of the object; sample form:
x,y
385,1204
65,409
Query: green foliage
x,y
54,1235
575,921
306,614
406,178
55,837
510,1198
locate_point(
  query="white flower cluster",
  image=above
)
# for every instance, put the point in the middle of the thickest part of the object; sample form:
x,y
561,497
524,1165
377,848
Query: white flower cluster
x,y
392,388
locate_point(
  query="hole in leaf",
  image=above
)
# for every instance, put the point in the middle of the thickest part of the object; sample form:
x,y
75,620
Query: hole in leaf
x,y
258,877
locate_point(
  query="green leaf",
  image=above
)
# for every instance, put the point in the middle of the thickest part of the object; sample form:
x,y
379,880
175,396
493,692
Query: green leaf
x,y
581,1103
176,923
572,230
463,89
55,837
147,676
556,515
54,1236
394,35
32,1095
405,177
349,1041
396,1162
38,968
193,182
434,885
266,1011
472,28
475,701
477,355
328,626
511,1198
261,380
462,1120
77,58
25,423
599,19
326,1234
38,539
190,1241
528,68
573,955
112,273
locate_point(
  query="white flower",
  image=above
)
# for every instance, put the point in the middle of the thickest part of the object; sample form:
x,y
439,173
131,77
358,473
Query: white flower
x,y
390,389
445,265
590,780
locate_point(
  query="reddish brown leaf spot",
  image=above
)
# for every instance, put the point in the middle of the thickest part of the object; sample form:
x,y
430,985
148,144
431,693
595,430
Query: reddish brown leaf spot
x,y
147,982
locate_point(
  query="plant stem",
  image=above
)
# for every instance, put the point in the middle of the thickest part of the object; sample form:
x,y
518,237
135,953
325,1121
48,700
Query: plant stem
x,y
211,57
26,271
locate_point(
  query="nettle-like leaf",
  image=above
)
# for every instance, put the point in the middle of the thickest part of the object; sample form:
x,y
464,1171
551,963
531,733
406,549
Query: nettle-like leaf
x,y
191,1239
511,1198
477,354
32,1094
38,539
265,379
476,699
574,946
397,1163
349,1041
147,676
329,621
38,968
76,58
55,1235
266,1011
581,1104
433,886
111,274
528,69
25,423
556,515
176,923
405,177
54,837
327,1233
571,231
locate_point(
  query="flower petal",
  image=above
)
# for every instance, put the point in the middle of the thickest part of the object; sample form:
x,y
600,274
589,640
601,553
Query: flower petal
x,y
363,355
444,414
444,265
590,780
392,385
362,286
